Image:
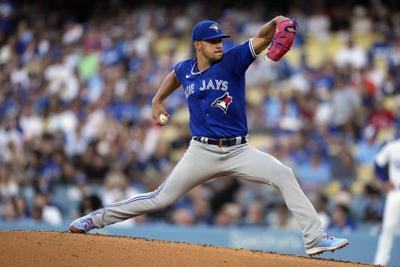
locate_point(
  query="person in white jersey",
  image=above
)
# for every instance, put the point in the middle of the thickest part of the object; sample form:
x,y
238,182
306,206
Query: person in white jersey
x,y
387,169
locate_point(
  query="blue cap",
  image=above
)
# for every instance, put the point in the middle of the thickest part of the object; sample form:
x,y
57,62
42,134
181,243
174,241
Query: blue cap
x,y
207,30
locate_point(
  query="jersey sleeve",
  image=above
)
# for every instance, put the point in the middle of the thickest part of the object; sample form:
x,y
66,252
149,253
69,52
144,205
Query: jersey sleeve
x,y
240,57
382,158
178,71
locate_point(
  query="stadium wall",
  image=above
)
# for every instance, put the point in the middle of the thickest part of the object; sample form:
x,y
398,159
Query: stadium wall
x,y
362,245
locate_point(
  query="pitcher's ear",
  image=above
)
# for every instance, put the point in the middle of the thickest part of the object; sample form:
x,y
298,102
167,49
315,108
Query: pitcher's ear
x,y
197,45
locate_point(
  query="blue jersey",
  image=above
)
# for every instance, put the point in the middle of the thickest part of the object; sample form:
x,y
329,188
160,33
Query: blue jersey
x,y
216,96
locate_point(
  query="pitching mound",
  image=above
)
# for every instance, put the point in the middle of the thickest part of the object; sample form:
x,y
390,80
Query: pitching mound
x,y
26,248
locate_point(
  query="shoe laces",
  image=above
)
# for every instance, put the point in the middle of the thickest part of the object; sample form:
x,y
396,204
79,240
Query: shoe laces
x,y
88,224
329,237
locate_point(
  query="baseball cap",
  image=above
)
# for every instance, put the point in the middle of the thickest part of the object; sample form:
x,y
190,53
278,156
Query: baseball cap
x,y
207,30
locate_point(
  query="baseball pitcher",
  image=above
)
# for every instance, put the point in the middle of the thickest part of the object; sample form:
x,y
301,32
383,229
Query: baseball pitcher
x,y
214,85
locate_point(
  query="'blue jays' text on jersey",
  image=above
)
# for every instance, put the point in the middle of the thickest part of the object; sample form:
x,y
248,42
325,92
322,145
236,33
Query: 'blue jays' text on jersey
x,y
216,96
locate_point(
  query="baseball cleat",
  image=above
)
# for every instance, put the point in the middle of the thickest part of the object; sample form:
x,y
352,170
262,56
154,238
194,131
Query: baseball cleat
x,y
82,225
327,243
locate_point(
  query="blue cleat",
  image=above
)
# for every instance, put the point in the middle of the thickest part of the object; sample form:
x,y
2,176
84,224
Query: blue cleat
x,y
327,243
83,224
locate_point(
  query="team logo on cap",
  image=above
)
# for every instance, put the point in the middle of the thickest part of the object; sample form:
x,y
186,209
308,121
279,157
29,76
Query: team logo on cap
x,y
214,27
223,102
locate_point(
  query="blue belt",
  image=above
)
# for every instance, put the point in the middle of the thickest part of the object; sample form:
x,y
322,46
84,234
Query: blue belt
x,y
223,142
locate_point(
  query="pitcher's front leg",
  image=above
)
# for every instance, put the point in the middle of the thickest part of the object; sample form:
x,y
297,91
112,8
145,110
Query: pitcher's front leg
x,y
256,166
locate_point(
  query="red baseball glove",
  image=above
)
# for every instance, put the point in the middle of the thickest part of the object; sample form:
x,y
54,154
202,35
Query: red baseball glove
x,y
283,39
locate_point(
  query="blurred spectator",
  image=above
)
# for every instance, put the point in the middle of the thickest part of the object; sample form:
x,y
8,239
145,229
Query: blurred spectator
x,y
61,80
342,163
280,218
224,190
200,206
45,212
142,219
14,208
319,23
351,55
8,186
380,117
183,217
229,215
341,220
367,147
7,14
116,188
314,173
255,214
345,101
89,204
9,135
361,22
321,206
374,204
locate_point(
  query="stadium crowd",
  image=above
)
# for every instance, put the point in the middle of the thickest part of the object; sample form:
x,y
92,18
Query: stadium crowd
x,y
76,131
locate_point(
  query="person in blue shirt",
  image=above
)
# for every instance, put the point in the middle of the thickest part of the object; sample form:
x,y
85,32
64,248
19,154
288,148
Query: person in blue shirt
x,y
341,219
214,86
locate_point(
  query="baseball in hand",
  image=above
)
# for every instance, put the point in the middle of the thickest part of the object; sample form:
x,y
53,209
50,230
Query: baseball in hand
x,y
162,118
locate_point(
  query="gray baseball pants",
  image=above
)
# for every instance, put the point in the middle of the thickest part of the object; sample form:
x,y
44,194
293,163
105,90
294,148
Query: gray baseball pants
x,y
202,162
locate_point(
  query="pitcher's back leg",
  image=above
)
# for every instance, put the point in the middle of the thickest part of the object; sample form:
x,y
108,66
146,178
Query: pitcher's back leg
x,y
196,166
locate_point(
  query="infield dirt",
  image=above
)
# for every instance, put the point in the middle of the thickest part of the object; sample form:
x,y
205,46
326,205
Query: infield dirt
x,y
27,248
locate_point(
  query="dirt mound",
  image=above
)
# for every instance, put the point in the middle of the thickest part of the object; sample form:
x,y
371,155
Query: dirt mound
x,y
26,248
